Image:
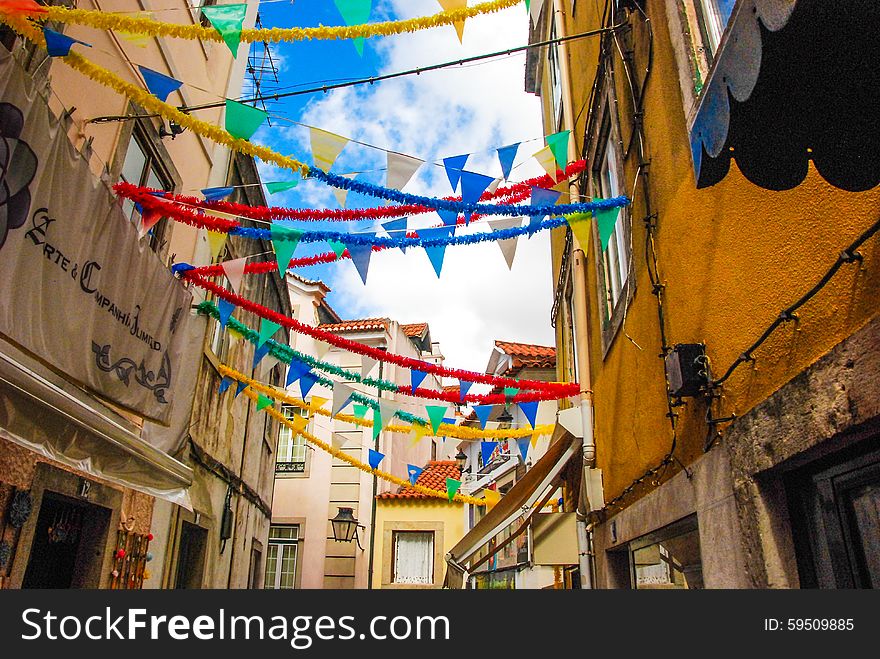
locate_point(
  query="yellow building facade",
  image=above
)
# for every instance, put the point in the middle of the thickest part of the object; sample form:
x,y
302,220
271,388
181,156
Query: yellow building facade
x,y
715,488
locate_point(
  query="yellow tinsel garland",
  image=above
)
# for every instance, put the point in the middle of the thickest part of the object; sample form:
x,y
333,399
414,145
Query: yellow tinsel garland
x,y
149,27
457,432
299,429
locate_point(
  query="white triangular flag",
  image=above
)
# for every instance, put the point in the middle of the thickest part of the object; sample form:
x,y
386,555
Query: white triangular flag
x,y
493,186
326,147
234,271
387,410
367,365
341,396
321,349
400,169
535,10
507,245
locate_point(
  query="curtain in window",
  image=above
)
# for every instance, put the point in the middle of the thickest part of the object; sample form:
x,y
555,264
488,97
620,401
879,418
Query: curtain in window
x,y
414,558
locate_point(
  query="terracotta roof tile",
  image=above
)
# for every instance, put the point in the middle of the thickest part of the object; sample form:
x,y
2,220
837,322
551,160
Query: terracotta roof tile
x,y
359,325
414,329
434,476
529,355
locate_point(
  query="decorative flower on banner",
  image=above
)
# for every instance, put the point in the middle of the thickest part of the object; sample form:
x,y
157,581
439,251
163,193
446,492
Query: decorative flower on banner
x,y
18,165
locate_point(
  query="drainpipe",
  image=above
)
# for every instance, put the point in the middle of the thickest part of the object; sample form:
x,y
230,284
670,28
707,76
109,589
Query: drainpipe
x,y
579,294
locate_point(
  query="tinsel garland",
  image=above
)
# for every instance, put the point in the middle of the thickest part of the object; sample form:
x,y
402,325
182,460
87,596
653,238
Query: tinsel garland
x,y
152,28
361,349
286,354
465,433
345,457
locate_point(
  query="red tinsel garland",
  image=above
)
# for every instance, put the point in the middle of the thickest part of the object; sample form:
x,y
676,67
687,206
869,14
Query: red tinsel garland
x,y
560,388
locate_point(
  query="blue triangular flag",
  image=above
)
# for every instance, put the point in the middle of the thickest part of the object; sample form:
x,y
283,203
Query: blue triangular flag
x,y
58,45
463,388
239,387
375,458
414,473
306,382
436,252
159,84
360,254
399,224
506,156
542,197
225,309
295,371
216,194
416,377
453,165
261,352
224,385
487,449
530,409
450,218
483,412
523,444
473,185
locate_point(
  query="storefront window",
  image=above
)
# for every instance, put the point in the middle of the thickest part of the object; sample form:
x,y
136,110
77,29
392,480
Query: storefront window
x,y
668,559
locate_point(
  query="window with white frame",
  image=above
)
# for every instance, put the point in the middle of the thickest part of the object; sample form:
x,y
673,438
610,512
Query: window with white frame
x,y
608,182
706,22
282,556
142,166
555,77
290,457
413,557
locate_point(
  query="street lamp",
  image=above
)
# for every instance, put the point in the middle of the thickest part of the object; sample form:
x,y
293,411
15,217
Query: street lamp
x,y
461,460
345,526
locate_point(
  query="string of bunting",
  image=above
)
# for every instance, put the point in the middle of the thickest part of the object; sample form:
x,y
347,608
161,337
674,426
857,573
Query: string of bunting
x,y
288,355
298,428
443,429
375,353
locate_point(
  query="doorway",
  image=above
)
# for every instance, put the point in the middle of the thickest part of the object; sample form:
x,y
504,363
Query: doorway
x,y
191,556
68,544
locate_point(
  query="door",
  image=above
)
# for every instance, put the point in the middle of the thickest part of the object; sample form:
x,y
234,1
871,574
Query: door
x,y
191,556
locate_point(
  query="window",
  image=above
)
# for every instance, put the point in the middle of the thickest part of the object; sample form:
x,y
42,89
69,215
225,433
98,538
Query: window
x,y
291,455
282,557
555,77
219,336
669,558
142,167
607,182
414,557
706,22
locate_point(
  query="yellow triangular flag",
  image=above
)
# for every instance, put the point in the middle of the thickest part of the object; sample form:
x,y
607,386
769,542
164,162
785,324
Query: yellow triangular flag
x,y
341,194
299,423
547,160
582,227
492,498
535,438
216,241
318,402
449,5
326,147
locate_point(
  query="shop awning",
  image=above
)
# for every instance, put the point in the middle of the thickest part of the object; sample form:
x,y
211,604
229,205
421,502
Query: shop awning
x,y
520,500
48,415
793,81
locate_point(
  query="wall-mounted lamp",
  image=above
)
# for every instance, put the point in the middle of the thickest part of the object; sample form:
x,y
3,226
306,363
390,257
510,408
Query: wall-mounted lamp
x,y
505,417
173,130
345,526
461,460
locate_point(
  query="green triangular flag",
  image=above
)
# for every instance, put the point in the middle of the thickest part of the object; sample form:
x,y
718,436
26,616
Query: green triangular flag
x,y
360,411
452,486
263,402
280,186
338,247
267,330
580,227
558,143
606,220
377,423
510,392
243,120
355,12
284,240
436,414
227,20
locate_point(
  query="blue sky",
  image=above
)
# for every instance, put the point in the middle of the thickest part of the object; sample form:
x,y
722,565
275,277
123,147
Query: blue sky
x,y
472,109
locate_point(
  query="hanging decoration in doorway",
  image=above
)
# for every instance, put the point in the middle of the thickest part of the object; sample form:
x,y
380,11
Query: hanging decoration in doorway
x,y
20,508
129,560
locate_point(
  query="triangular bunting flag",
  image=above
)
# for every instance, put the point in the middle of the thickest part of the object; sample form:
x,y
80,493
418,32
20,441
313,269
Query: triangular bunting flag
x,y
263,402
400,169
367,365
436,414
377,425
326,148
321,349
22,7
227,20
580,227
239,387
337,247
473,185
360,411
523,444
234,271
415,378
397,225
267,330
542,197
547,161
483,412
529,409
449,5
355,12
242,121
295,370
317,402
535,10
224,385
558,145
435,252
260,352
280,186
284,240
360,255
375,458
463,388
493,186
452,486
58,45
606,220
487,449
159,84
507,245
449,218
454,165
492,498
387,410
306,382
341,194
413,472
149,218
216,241
506,156
341,396
216,194
225,309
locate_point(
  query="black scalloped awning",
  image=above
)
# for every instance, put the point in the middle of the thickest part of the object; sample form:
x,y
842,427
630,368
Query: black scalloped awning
x,y
795,80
